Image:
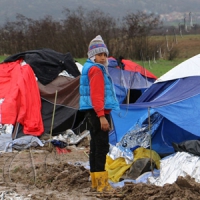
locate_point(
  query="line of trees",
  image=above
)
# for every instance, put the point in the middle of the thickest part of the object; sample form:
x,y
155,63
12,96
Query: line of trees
x,y
130,37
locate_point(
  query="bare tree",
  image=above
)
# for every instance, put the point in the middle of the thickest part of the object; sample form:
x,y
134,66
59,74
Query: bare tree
x,y
138,27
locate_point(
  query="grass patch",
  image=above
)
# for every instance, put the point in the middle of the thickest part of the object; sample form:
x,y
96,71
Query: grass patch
x,y
2,58
160,67
81,60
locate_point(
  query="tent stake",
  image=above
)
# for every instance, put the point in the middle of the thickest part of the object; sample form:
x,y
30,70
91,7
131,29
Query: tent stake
x,y
54,108
150,139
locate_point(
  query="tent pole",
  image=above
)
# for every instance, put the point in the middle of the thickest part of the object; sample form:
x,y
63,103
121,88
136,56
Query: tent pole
x,y
54,108
149,121
128,96
111,122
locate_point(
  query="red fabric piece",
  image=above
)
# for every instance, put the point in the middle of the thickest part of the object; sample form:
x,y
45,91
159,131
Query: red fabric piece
x,y
97,91
22,103
63,150
132,66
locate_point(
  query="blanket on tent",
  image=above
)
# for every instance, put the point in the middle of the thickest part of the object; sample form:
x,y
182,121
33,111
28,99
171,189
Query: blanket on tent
x,y
47,63
21,98
67,103
67,88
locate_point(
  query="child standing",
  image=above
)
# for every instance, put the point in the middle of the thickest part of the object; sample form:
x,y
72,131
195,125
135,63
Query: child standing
x,y
97,99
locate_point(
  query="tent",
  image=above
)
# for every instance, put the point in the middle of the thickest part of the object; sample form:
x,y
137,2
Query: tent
x,y
130,79
168,111
56,73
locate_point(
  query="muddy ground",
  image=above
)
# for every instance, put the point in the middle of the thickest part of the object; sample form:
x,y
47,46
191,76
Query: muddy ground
x,y
42,173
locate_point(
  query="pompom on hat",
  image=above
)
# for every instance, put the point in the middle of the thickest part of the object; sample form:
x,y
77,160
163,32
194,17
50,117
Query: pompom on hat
x,y
97,46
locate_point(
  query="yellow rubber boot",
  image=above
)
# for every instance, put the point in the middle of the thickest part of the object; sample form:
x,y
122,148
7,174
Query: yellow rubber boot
x,y
93,180
102,181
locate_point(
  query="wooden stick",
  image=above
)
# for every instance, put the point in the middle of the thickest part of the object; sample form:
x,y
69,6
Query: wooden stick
x,y
86,154
150,140
14,133
54,108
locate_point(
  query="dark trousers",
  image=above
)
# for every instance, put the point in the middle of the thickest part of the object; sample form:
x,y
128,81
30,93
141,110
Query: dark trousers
x,y
99,143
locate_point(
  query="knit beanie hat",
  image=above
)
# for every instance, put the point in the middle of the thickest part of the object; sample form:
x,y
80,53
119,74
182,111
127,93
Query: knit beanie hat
x,y
97,46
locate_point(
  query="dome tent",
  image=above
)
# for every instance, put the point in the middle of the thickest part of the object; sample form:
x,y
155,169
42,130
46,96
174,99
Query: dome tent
x,y
175,99
130,79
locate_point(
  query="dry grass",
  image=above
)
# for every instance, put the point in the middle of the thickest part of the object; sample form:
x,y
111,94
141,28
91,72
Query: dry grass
x,y
187,45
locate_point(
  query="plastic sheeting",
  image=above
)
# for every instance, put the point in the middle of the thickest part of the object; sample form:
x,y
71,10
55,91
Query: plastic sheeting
x,y
178,164
116,168
140,134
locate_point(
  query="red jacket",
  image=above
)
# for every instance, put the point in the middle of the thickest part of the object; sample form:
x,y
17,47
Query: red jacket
x,y
97,91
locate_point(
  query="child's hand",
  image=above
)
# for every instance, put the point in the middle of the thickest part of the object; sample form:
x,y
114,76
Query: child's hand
x,y
105,126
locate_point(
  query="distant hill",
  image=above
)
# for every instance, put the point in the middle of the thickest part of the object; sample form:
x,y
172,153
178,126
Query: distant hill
x,y
36,9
